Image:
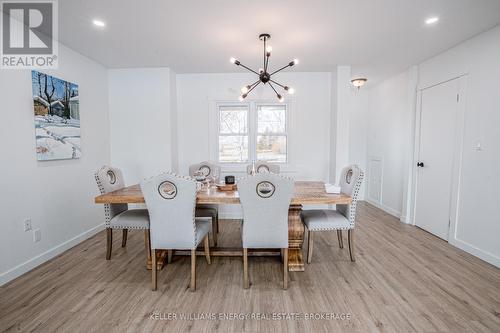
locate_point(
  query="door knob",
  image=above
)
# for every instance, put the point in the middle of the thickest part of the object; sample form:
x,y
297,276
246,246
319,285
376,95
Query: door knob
x,y
420,164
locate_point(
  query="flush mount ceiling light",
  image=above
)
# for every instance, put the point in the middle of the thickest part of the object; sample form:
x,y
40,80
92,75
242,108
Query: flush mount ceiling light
x,y
263,73
359,82
432,20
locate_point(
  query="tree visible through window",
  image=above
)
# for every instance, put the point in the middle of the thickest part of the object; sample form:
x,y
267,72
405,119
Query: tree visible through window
x,y
271,133
233,134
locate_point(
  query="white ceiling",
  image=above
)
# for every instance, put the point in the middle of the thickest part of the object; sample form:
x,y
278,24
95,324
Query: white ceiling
x,y
377,37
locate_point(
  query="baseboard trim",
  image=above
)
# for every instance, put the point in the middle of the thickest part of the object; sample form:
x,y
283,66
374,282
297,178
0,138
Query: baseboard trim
x,y
469,248
32,263
386,209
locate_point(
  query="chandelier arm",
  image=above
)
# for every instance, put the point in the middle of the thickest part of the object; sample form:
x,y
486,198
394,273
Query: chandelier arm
x,y
279,70
251,70
255,85
266,63
279,84
273,88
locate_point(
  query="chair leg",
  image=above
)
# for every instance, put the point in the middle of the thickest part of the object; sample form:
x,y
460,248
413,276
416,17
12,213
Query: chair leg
x,y
192,285
214,230
153,270
309,246
207,250
350,238
170,254
109,242
341,240
246,283
124,237
147,243
285,268
217,221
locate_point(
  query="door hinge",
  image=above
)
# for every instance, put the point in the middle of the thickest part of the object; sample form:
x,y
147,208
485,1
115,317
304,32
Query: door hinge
x,y
449,224
458,97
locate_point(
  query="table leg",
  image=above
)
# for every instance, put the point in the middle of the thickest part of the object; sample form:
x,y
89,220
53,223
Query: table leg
x,y
295,239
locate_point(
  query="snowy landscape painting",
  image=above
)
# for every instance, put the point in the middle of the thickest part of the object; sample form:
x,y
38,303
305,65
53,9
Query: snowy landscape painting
x,y
57,118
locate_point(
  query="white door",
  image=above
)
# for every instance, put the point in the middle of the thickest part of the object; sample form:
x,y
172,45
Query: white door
x,y
438,120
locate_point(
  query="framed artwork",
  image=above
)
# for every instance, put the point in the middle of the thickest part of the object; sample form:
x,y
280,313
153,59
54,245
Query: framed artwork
x,y
57,118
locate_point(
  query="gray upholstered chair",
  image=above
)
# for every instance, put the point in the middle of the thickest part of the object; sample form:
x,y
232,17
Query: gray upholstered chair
x,y
118,216
171,201
263,167
265,199
343,218
208,169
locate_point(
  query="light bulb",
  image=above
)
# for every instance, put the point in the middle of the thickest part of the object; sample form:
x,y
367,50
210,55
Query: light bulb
x,y
269,49
245,89
232,60
280,98
290,90
432,20
261,70
295,61
99,23
242,97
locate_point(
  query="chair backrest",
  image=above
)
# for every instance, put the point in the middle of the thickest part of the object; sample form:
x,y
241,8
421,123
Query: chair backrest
x,y
171,201
110,179
207,168
263,167
265,199
350,181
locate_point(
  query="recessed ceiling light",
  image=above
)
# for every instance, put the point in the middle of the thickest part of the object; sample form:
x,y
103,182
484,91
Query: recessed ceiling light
x,y
99,23
431,20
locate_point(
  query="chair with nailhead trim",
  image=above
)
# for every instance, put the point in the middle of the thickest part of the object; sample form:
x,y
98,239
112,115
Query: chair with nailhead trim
x,y
265,199
171,201
343,218
118,216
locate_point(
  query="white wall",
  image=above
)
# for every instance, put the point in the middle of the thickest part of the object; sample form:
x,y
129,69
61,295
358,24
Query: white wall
x,y
56,195
388,127
477,229
309,120
140,107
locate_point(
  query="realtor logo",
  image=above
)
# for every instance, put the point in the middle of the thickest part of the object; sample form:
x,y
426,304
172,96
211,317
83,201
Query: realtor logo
x,y
29,34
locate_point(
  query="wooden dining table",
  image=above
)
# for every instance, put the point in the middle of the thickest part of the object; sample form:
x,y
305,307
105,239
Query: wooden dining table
x,y
305,193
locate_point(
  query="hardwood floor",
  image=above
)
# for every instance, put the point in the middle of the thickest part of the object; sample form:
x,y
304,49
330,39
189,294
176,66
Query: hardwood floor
x,y
403,280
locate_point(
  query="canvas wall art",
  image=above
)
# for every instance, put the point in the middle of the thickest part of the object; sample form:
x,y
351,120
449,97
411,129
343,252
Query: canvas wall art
x,y
57,118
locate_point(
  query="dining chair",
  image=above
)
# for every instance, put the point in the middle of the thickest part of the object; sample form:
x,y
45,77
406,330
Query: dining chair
x,y
118,216
171,201
265,199
263,167
343,218
208,169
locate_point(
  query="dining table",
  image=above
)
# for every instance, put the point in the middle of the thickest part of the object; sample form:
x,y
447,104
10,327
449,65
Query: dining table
x,y
305,193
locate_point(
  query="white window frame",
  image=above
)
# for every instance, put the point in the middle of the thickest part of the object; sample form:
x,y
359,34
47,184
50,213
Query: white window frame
x,y
252,105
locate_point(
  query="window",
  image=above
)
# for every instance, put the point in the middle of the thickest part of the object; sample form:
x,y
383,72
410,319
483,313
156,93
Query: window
x,y
253,131
233,134
271,133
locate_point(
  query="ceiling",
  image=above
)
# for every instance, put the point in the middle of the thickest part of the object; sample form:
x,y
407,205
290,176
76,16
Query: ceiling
x,y
378,38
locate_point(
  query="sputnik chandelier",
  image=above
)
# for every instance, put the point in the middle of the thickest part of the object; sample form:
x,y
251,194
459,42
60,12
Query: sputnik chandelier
x,y
263,74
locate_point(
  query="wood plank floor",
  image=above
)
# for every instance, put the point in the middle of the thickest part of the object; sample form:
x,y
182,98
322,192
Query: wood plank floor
x,y
404,280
